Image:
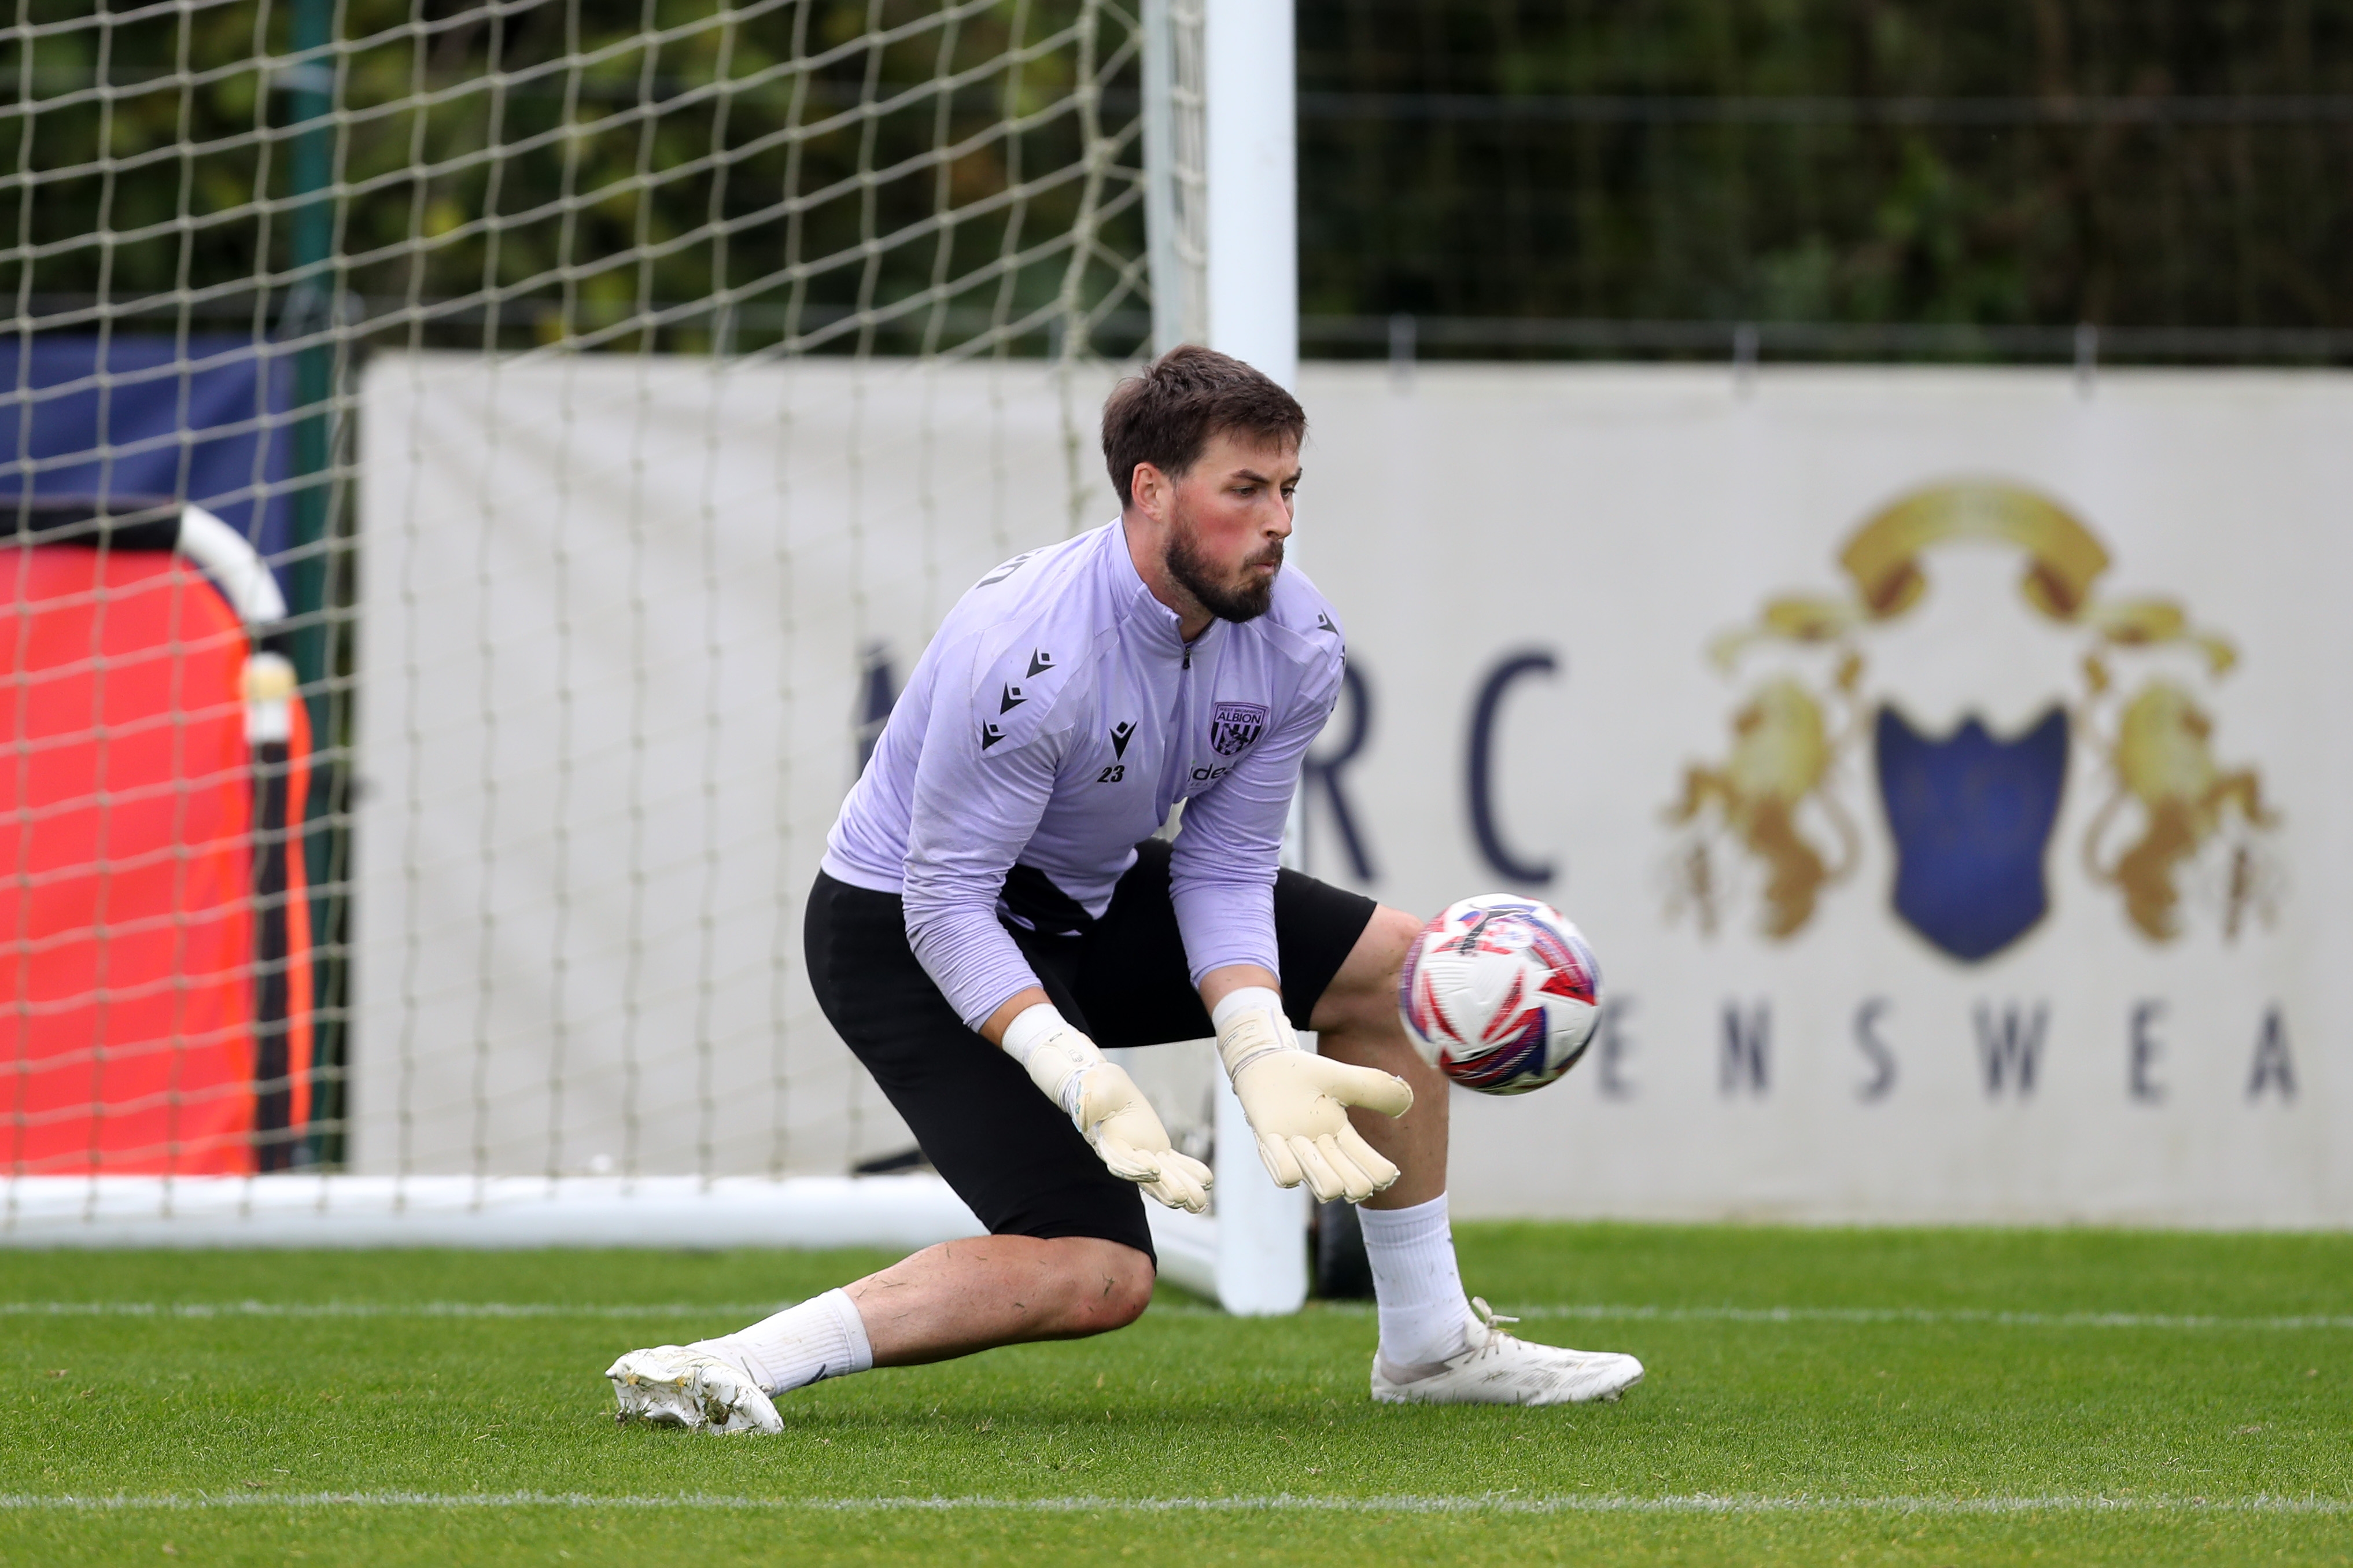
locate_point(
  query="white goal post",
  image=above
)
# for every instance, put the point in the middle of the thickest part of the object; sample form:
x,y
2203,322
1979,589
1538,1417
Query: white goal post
x,y
1249,292
604,577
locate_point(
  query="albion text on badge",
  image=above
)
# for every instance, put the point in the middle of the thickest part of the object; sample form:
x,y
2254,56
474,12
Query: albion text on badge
x,y
1235,725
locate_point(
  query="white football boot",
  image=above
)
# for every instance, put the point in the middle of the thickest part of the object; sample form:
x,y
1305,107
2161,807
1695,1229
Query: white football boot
x,y
1497,1369
672,1385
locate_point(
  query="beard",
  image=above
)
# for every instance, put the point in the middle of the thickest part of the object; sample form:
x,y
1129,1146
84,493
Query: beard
x,y
1245,601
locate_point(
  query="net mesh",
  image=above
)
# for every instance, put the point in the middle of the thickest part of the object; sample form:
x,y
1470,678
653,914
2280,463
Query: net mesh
x,y
617,393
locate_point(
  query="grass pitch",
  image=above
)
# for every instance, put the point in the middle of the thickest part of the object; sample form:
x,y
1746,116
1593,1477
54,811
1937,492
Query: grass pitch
x,y
1814,1396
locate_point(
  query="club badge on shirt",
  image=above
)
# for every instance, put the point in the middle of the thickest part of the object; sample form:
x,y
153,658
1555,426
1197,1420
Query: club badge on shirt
x,y
1235,725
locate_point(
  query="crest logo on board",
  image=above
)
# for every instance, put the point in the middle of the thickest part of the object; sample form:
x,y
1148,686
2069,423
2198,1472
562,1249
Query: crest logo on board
x,y
1971,815
1235,725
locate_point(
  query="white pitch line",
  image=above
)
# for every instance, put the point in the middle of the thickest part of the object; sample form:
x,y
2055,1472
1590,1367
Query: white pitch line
x,y
383,1309
1984,1316
1902,1316
1934,1315
1502,1503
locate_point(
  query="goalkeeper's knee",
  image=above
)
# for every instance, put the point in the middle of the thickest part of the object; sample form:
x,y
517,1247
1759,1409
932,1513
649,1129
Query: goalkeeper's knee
x,y
1109,1285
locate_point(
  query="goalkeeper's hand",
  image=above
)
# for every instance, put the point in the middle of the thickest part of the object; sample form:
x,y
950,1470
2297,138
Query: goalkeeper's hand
x,y
1298,1102
1107,1107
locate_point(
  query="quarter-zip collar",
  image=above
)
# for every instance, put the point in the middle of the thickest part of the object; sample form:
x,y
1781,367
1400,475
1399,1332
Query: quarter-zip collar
x,y
1157,625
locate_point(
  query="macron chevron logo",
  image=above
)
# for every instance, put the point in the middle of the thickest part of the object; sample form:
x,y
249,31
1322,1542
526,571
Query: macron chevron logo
x,y
1120,735
1006,570
1012,698
1039,661
989,735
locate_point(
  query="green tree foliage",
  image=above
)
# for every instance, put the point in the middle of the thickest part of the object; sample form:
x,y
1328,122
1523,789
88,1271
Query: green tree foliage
x,y
2139,162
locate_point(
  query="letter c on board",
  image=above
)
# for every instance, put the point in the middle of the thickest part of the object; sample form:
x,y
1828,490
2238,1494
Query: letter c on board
x,y
1483,827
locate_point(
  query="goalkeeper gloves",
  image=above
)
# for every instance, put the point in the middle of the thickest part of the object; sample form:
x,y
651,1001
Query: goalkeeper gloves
x,y
1298,1102
1107,1108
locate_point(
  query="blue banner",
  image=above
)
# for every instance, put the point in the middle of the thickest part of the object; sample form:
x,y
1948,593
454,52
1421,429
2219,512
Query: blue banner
x,y
208,422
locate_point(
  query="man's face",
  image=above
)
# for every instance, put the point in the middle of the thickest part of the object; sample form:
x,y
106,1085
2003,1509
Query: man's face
x,y
1229,515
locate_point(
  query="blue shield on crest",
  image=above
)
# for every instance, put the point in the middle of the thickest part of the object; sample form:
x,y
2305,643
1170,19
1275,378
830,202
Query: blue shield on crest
x,y
1971,816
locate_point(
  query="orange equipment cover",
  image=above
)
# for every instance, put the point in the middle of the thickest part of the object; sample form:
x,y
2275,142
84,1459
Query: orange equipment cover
x,y
127,920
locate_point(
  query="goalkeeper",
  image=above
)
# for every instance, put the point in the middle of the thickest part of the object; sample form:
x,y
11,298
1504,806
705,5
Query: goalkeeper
x,y
992,906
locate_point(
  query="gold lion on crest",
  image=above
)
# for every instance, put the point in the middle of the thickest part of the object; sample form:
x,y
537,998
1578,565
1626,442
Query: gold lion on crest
x,y
2163,761
1781,753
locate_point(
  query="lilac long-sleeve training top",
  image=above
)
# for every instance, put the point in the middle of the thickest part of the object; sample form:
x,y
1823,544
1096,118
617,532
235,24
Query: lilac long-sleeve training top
x,y
1054,722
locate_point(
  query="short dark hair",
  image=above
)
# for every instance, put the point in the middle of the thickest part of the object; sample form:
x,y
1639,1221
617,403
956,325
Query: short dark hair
x,y
1164,414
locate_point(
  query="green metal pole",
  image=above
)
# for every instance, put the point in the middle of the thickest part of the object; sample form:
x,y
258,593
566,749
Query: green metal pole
x,y
311,309
313,107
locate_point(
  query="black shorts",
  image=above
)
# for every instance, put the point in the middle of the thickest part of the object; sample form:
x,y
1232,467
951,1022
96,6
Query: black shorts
x,y
1009,1152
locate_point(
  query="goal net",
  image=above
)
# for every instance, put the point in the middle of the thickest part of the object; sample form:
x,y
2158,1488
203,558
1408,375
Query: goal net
x,y
480,473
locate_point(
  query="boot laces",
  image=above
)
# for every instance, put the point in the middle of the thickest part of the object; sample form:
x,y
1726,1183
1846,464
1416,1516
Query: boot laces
x,y
1492,1322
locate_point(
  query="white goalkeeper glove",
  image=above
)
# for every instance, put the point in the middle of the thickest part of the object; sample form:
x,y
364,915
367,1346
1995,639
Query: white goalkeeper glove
x,y
1298,1102
1107,1107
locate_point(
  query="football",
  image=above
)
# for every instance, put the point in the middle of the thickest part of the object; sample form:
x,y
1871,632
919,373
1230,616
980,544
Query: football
x,y
1501,994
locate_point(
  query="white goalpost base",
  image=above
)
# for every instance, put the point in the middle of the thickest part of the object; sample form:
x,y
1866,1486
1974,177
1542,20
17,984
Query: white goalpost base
x,y
267,1213
342,1211
1248,1257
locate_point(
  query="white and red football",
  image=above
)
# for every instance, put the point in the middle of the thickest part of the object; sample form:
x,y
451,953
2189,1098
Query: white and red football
x,y
1501,994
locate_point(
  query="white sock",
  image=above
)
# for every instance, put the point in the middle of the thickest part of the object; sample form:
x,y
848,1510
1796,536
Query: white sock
x,y
822,1337
1424,1316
